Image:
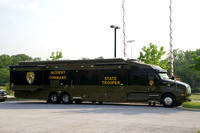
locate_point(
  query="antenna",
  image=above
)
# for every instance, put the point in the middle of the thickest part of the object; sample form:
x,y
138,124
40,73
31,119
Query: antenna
x,y
124,26
171,46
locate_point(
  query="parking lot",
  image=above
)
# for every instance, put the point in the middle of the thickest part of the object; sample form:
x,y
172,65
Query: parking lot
x,y
38,116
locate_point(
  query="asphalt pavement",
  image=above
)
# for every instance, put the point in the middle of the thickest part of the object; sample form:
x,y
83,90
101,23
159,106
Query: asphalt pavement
x,y
40,117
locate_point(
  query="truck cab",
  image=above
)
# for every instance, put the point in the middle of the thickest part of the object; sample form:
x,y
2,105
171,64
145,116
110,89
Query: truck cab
x,y
151,83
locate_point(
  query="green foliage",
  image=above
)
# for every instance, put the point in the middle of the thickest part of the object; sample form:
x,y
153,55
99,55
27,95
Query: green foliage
x,y
19,57
84,58
4,76
151,55
195,105
100,57
6,61
37,59
57,56
196,57
182,70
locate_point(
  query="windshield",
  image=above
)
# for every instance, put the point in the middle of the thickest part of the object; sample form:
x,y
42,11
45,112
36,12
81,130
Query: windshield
x,y
163,76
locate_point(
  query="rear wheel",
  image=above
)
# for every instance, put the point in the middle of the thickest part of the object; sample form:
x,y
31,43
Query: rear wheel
x,y
169,100
54,98
65,97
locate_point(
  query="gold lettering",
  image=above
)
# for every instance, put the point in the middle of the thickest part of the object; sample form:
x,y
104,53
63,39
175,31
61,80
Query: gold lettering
x,y
110,81
110,78
57,72
57,77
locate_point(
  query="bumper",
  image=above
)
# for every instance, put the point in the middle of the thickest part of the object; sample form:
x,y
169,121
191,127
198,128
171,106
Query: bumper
x,y
3,97
183,99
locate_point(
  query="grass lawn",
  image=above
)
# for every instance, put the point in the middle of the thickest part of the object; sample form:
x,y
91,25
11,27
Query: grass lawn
x,y
195,97
195,105
2,87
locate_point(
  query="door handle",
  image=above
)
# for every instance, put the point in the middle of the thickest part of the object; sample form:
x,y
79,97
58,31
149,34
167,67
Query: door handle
x,y
71,83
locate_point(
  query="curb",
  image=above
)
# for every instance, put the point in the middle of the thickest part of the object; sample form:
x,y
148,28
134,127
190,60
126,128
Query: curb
x,y
189,109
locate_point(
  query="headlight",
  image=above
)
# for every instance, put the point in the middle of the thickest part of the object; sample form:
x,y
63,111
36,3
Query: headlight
x,y
3,93
188,89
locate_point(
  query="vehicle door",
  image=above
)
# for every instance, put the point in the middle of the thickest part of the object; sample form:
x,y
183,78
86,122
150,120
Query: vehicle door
x,y
74,78
113,85
143,86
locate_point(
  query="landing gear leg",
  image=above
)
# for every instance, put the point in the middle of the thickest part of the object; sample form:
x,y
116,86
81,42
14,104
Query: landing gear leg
x,y
149,103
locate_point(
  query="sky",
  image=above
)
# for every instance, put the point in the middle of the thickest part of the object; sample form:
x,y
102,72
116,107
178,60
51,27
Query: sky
x,y
81,28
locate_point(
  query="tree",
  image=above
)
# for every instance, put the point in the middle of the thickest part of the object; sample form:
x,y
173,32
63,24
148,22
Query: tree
x,y
100,57
182,70
196,57
151,55
36,59
4,76
6,61
19,57
84,58
57,56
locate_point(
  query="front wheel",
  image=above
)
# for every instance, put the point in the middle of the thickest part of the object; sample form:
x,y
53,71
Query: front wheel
x,y
169,100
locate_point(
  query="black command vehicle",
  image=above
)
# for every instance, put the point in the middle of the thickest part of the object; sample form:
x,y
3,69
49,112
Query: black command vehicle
x,y
105,80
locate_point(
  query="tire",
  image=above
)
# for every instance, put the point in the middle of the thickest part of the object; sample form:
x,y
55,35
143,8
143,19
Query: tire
x,y
169,100
65,98
54,98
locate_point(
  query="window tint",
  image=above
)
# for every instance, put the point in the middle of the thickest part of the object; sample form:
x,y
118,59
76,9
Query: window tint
x,y
151,76
139,78
89,77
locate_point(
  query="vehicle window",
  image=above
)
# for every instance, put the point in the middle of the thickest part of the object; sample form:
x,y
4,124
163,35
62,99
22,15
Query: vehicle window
x,y
163,76
139,79
151,76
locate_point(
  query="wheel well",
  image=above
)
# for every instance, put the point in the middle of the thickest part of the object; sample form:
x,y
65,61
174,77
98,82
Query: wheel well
x,y
166,94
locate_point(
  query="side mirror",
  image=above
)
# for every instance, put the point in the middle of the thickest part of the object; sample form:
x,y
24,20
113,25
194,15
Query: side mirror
x,y
172,78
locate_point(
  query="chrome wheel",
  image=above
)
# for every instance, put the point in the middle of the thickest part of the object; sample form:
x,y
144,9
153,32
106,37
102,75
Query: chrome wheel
x,y
65,98
53,97
168,101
